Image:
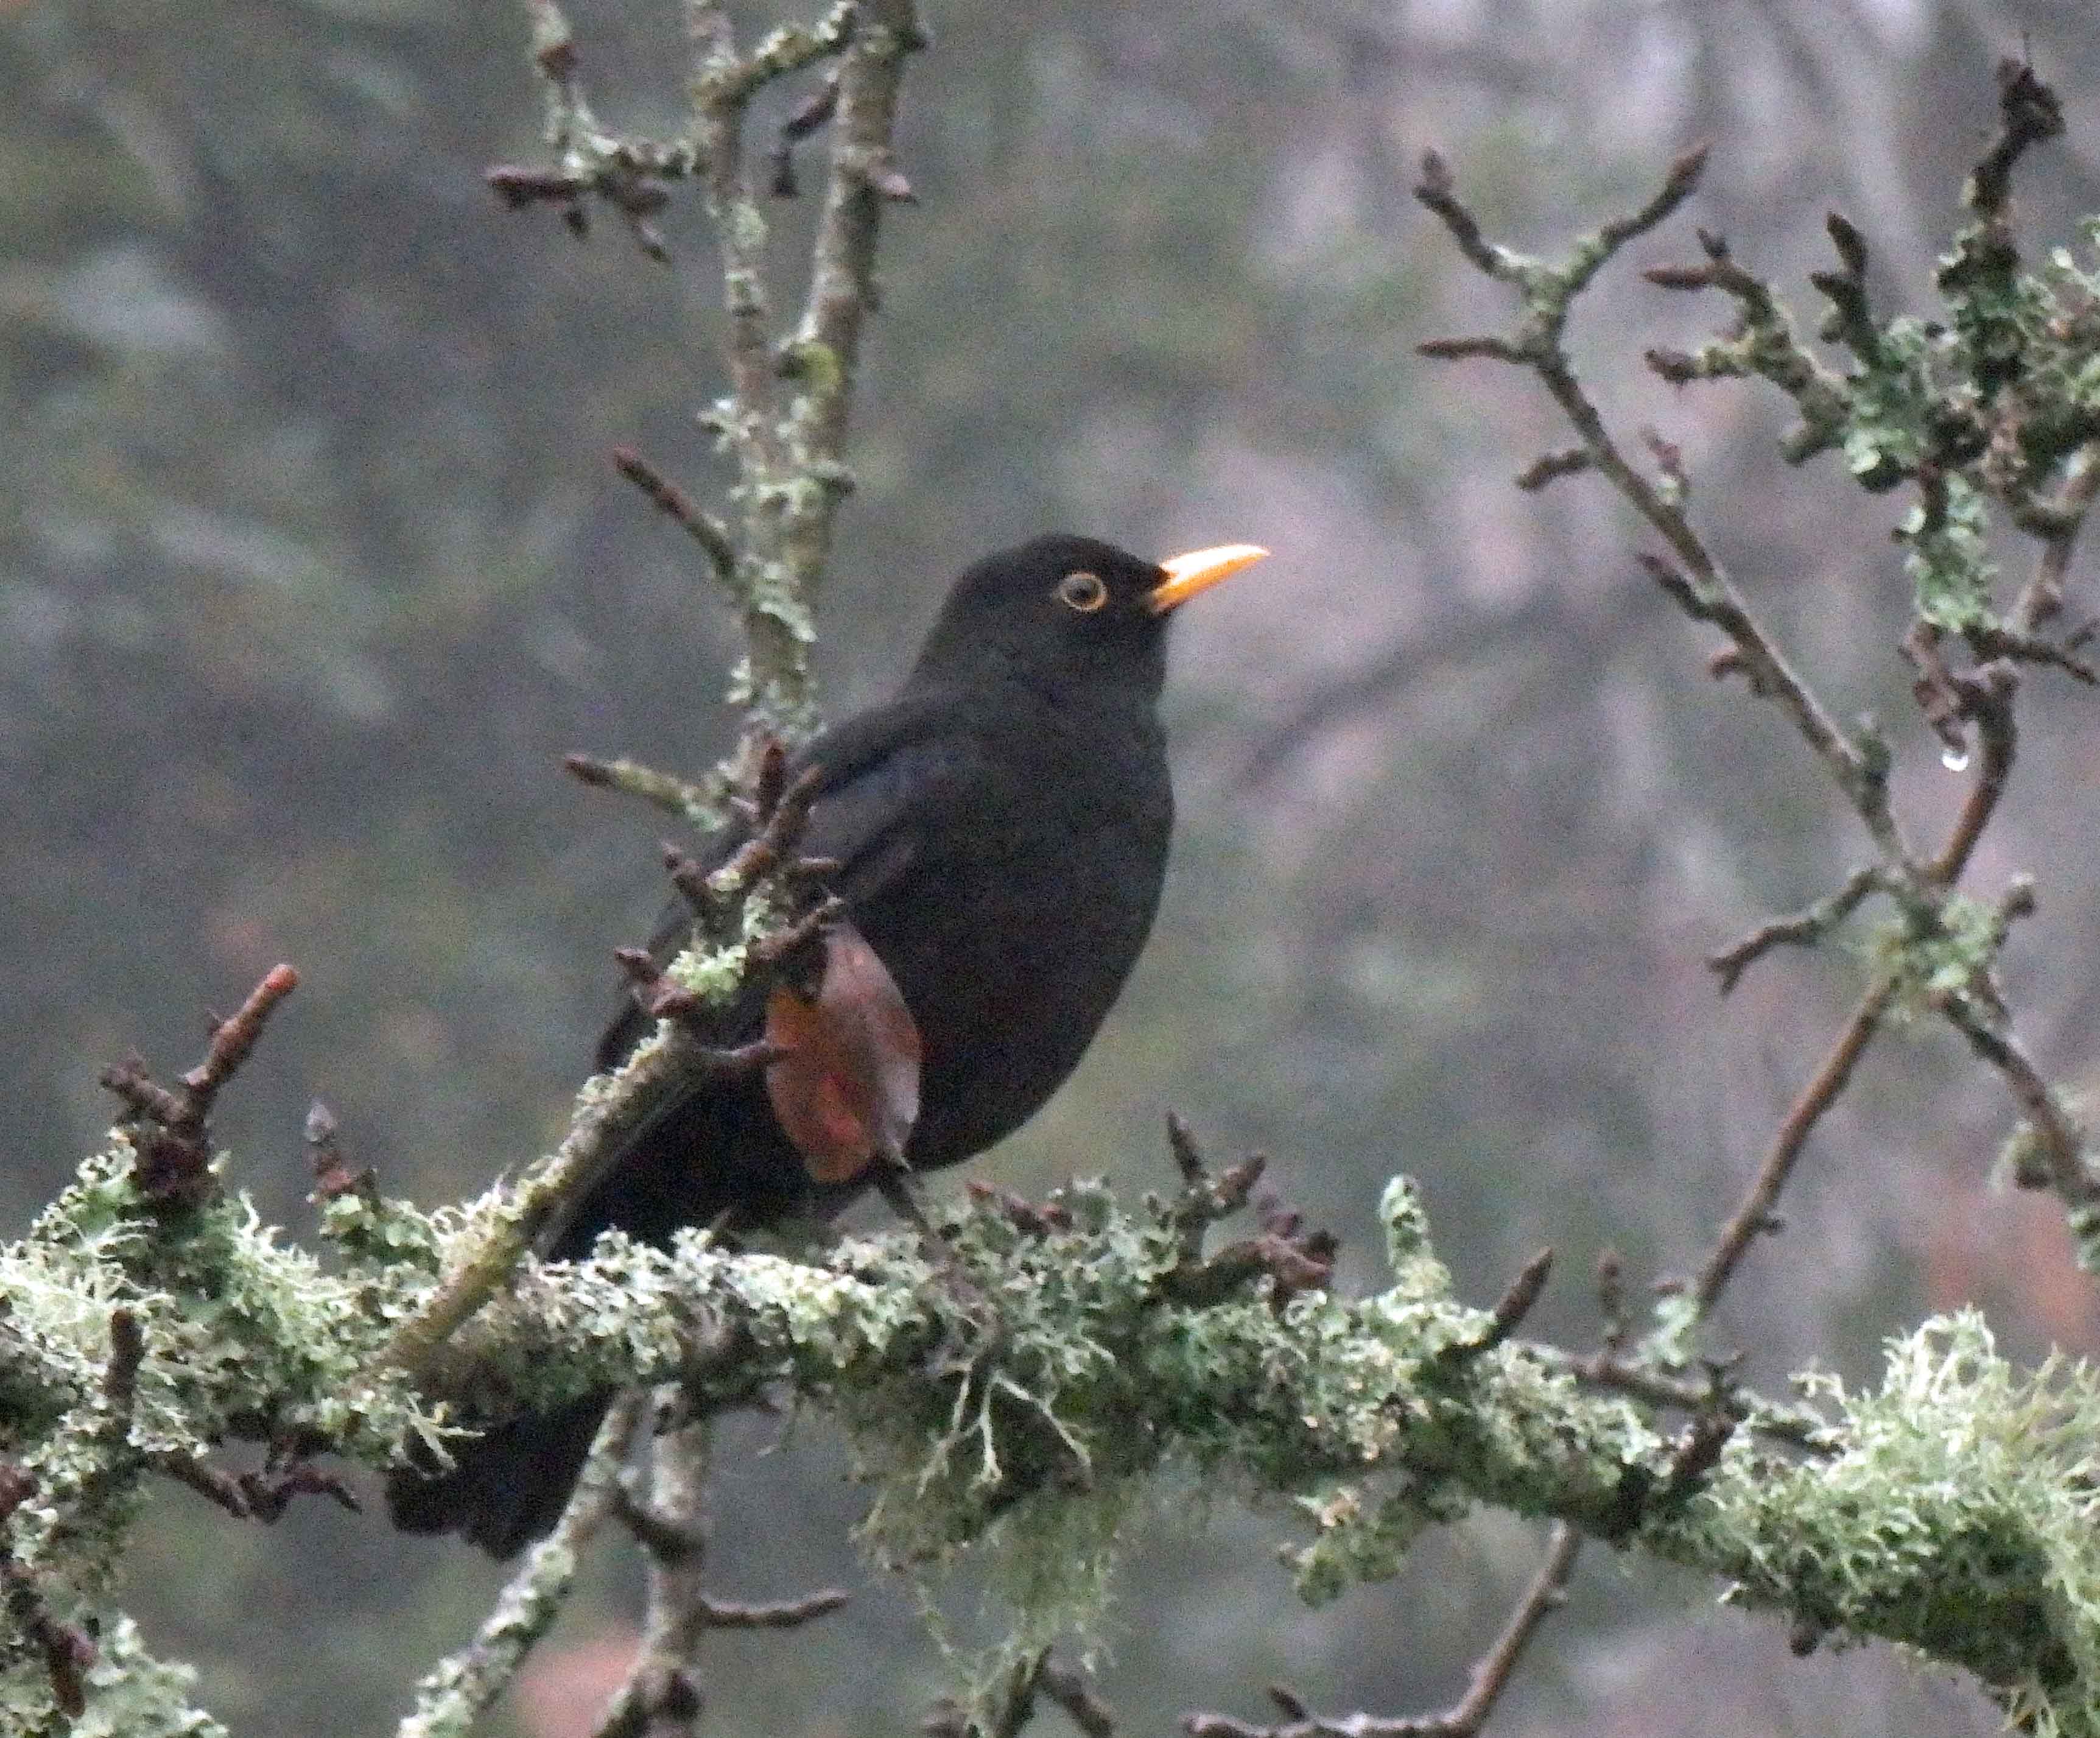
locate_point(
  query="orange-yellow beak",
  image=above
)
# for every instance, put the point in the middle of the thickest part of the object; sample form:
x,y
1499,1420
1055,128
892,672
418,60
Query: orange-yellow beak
x,y
1199,571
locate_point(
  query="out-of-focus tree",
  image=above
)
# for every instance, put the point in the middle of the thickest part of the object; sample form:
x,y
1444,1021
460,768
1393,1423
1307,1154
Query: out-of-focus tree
x,y
312,567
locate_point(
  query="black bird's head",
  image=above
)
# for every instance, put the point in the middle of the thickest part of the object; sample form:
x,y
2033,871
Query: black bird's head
x,y
1062,612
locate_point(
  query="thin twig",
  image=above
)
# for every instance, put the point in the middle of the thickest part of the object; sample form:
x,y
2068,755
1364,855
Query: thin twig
x,y
1544,1595
1510,1310
1610,1370
681,510
1011,1705
214,1486
2058,1134
1703,587
1465,1718
185,1111
1991,706
662,1695
1803,929
463,1684
1074,1691
698,800
771,1614
173,1165
1754,1216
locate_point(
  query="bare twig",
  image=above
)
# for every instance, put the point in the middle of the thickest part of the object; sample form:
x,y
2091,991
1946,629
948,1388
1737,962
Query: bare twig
x,y
1072,1690
1977,1013
1548,467
2028,114
1515,1304
1803,929
206,1479
1754,1216
1850,321
681,510
269,1492
781,810
174,1166
663,1695
798,125
1292,1256
1991,706
1438,191
1611,1370
1465,1718
184,1112
233,1040
771,1614
1612,1300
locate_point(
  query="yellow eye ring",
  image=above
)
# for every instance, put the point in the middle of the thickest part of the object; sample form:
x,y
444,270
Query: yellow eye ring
x,y
1081,591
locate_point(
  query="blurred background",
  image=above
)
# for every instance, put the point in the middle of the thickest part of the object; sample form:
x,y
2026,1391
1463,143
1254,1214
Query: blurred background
x,y
311,565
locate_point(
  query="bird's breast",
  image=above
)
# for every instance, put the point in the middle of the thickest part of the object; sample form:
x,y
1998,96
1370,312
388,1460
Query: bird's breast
x,y
1014,935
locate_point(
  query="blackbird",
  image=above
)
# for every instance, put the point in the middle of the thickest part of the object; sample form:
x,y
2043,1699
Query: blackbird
x,y
1001,830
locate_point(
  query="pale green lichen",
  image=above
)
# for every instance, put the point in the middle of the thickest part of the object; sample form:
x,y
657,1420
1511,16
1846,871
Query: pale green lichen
x,y
1946,957
1954,1512
129,1694
1948,558
1958,1516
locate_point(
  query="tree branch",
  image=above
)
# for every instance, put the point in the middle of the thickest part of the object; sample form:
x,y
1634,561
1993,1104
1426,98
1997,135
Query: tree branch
x,y
459,1688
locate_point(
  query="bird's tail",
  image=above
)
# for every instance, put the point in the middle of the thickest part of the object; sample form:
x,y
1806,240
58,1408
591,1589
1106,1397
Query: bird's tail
x,y
507,1486
504,1489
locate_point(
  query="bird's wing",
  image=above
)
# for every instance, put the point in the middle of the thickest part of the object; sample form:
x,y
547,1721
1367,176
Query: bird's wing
x,y
887,777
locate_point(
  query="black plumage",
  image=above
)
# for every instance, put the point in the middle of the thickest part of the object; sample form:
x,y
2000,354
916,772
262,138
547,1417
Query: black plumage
x,y
1002,825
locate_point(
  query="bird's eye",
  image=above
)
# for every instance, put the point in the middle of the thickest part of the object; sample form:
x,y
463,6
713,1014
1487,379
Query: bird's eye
x,y
1081,591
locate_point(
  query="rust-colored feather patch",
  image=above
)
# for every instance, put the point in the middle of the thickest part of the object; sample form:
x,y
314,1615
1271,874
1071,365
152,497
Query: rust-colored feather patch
x,y
846,1087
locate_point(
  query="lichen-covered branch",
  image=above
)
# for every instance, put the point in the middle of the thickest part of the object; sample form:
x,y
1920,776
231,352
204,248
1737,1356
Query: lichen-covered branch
x,y
608,1109
1996,406
864,177
1947,1509
784,418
